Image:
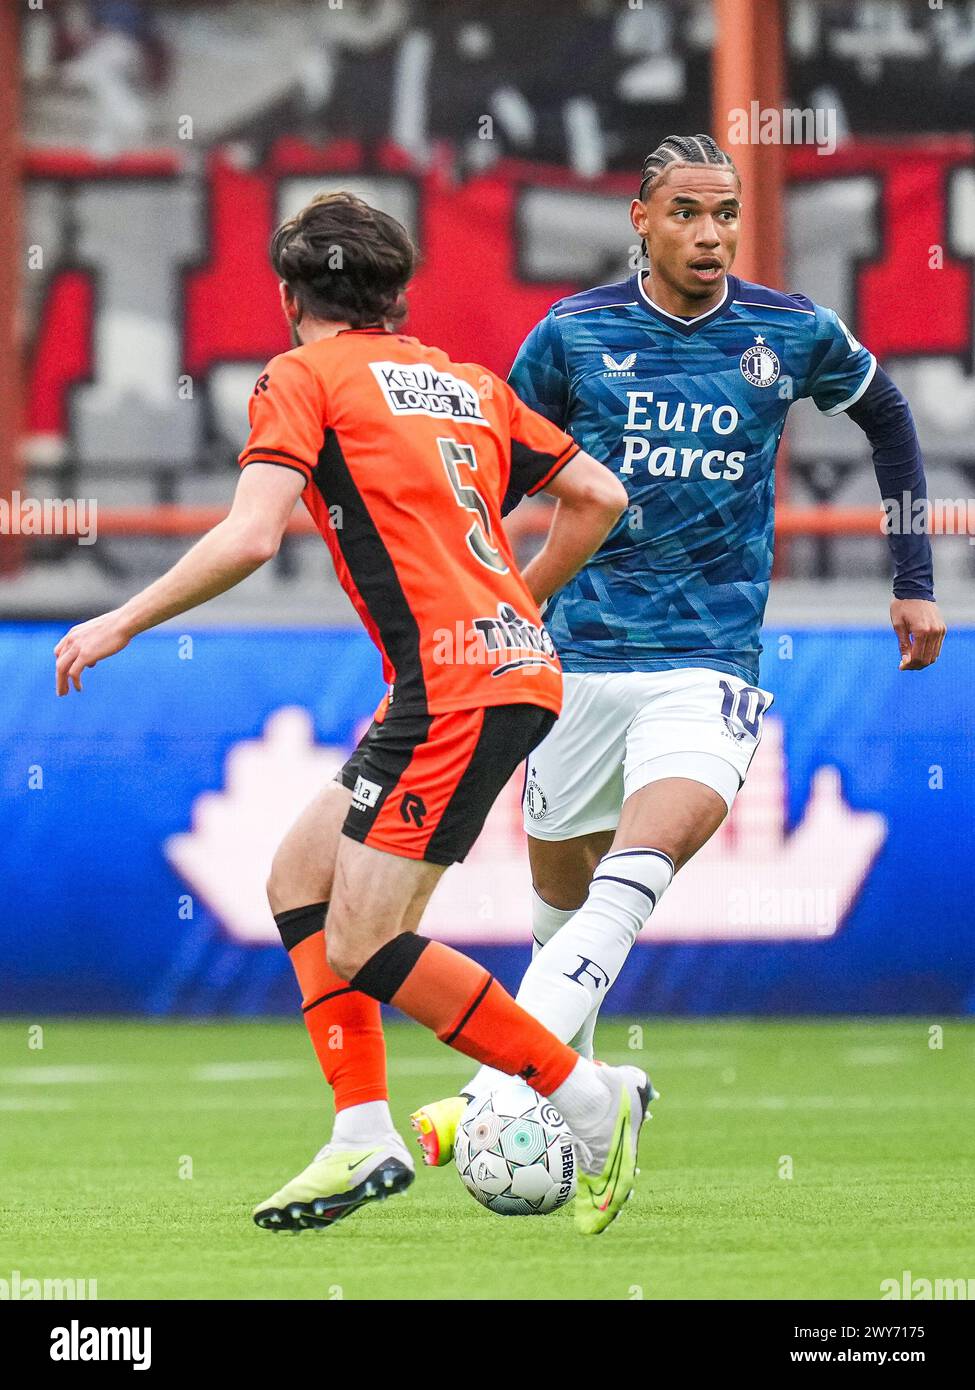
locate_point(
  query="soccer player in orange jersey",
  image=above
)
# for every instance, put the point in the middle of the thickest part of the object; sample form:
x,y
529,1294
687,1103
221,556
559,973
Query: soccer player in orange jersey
x,y
403,459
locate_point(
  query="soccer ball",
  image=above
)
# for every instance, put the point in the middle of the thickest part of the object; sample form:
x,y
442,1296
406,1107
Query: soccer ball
x,y
514,1152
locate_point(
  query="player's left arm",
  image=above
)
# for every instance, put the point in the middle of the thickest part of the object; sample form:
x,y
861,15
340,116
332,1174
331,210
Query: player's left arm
x,y
849,379
882,412
246,539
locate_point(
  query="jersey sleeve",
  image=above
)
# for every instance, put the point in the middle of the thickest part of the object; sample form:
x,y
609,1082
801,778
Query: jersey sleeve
x,y
539,449
841,368
287,417
539,374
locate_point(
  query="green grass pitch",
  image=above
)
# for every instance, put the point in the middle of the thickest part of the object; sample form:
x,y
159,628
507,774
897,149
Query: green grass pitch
x,y
133,1152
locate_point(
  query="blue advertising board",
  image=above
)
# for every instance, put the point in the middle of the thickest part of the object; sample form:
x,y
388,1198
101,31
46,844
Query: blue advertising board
x,y
138,821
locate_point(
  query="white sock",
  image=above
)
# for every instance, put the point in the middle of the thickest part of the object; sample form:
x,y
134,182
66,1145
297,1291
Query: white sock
x,y
584,1041
583,1098
574,971
362,1126
546,921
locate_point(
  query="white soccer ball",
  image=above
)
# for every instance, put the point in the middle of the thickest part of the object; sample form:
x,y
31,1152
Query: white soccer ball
x,y
514,1152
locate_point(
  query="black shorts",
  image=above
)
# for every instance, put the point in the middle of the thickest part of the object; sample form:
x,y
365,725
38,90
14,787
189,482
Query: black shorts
x,y
423,784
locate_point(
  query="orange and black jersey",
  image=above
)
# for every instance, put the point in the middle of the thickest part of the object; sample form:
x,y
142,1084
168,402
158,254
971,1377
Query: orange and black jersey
x,y
407,457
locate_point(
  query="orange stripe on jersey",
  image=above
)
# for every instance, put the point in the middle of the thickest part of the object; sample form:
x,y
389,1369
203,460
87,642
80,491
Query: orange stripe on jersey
x,y
409,456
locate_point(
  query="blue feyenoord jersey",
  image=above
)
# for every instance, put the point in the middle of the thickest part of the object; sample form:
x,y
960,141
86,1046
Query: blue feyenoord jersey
x,y
688,413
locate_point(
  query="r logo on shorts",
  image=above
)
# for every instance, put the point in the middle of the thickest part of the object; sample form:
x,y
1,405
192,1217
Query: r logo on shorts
x,y
455,765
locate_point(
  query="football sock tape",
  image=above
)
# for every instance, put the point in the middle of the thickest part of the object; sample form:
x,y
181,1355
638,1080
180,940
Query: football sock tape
x,y
300,922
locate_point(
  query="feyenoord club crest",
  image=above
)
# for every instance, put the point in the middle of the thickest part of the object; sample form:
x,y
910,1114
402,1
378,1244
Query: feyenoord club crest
x,y
535,800
759,364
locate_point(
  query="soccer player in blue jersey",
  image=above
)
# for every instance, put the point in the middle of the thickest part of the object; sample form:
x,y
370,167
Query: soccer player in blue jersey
x,y
680,379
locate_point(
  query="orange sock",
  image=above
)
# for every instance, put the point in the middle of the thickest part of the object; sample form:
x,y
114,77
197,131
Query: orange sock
x,y
466,1008
345,1026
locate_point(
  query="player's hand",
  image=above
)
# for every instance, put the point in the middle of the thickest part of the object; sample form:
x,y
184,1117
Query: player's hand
x,y
85,645
920,631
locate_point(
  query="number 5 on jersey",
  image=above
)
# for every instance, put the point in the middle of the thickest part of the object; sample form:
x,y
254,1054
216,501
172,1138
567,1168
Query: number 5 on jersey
x,y
479,537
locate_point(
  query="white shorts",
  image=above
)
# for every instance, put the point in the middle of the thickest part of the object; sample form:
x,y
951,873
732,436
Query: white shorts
x,y
619,731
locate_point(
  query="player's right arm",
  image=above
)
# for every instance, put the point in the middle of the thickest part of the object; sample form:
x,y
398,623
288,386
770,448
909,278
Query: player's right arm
x,y
287,426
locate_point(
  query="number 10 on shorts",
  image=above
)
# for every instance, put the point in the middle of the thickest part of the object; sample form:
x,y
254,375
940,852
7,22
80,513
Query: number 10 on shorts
x,y
742,708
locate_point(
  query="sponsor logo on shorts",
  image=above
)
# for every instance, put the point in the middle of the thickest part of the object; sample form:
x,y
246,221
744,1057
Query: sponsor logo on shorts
x,y
419,389
730,731
365,794
412,808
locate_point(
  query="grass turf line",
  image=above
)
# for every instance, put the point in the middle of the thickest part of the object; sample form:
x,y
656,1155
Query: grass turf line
x,y
95,1126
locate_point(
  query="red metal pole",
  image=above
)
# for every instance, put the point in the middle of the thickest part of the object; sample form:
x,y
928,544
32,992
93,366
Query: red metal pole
x,y
748,76
748,67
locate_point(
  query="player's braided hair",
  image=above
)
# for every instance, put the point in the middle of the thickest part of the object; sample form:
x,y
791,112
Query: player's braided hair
x,y
681,149
345,261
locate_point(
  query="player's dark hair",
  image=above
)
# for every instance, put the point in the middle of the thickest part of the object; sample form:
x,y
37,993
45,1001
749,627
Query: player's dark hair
x,y
681,149
345,261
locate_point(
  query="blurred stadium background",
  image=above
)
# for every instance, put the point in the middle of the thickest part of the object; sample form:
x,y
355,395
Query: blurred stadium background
x,y
155,146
